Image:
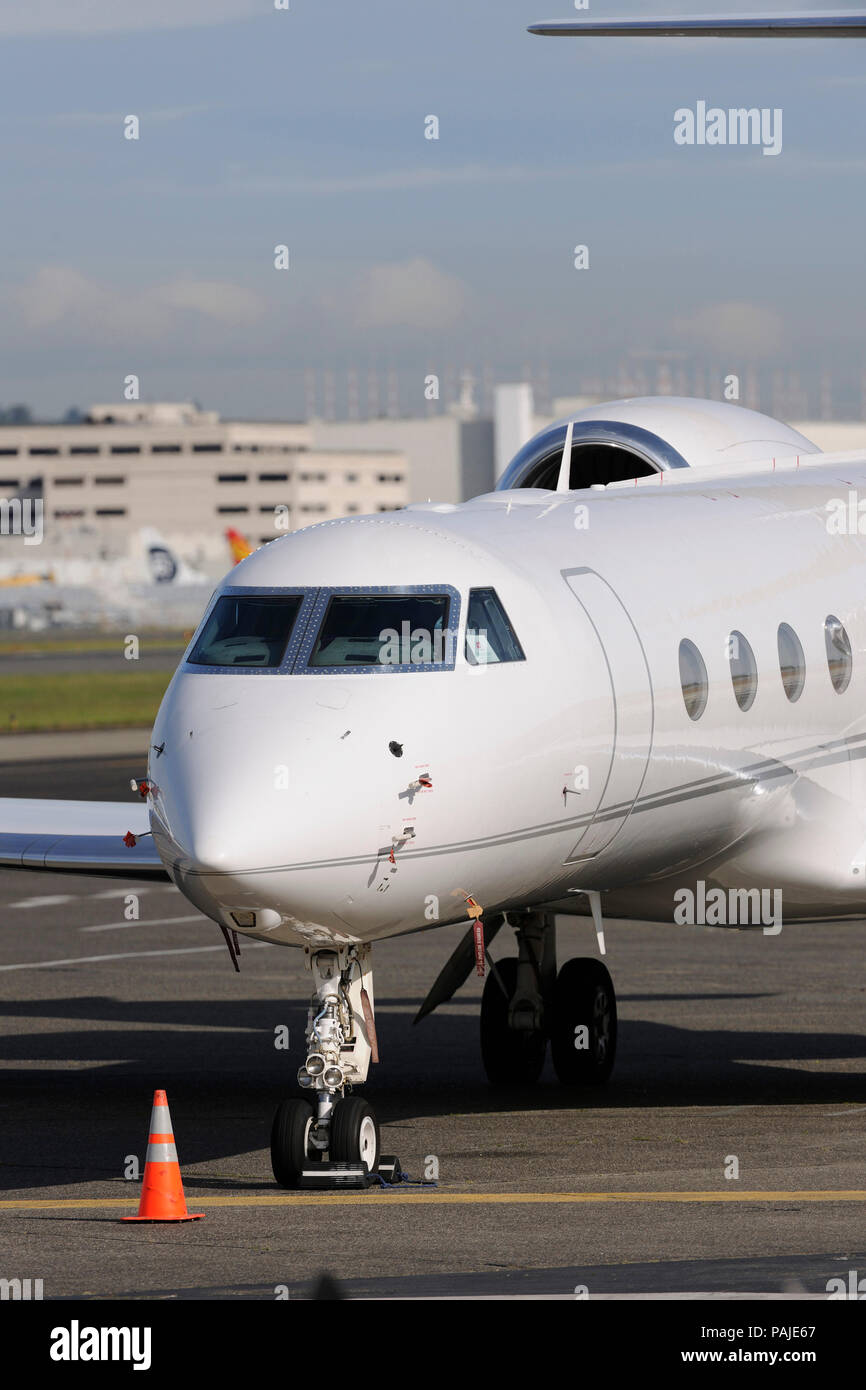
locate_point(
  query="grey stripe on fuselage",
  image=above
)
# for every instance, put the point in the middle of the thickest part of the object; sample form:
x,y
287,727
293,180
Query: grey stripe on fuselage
x,y
818,755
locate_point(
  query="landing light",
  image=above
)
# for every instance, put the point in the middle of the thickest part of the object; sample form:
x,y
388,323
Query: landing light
x,y
333,1077
304,1078
315,1064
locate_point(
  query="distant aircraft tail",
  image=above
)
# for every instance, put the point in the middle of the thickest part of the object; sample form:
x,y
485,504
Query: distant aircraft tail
x,y
238,544
164,565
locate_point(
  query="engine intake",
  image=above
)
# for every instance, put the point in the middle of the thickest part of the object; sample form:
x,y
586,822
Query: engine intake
x,y
614,442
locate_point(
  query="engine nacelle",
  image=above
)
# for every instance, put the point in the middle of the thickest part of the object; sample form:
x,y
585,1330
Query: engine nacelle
x,y
650,434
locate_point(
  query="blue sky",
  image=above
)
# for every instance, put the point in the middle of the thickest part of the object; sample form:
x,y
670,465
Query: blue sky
x,y
306,127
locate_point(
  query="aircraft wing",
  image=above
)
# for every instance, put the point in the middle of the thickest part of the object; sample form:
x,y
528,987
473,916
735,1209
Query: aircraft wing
x,y
78,836
842,25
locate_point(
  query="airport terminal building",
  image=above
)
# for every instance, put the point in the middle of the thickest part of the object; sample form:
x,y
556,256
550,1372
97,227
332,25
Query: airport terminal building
x,y
192,475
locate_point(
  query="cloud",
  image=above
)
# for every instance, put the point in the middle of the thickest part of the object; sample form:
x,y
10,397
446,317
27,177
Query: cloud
x,y
733,328
407,294
396,180
213,299
49,18
158,116
77,309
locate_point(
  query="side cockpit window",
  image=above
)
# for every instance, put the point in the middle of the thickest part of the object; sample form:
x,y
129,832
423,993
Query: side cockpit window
x,y
247,630
490,638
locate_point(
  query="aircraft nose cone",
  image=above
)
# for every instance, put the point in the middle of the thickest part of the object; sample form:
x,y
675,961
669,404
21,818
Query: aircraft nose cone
x,y
207,846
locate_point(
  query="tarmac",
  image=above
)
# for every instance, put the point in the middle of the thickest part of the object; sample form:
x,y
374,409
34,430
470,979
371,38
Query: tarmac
x,y
733,1046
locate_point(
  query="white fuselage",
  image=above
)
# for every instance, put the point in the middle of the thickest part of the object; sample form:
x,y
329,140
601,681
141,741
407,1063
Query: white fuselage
x,y
575,769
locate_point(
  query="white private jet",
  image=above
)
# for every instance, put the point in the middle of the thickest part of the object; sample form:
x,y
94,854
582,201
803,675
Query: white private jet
x,y
633,673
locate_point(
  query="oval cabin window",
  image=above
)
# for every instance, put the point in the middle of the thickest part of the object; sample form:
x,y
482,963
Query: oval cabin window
x,y
792,663
744,670
839,659
693,679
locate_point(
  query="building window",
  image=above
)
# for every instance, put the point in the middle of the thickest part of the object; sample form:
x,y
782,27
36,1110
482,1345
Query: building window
x,y
792,662
693,679
232,478
744,670
839,660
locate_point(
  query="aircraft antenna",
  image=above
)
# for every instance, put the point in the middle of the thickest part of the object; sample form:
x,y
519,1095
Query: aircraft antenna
x,y
564,478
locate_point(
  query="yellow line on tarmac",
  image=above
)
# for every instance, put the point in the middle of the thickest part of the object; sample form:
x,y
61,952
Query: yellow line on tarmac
x,y
376,1197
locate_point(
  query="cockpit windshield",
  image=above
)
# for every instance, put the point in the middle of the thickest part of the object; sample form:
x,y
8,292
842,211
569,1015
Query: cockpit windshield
x,y
247,630
404,630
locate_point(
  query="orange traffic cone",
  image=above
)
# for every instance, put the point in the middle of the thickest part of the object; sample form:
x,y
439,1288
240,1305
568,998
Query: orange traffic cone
x,y
162,1196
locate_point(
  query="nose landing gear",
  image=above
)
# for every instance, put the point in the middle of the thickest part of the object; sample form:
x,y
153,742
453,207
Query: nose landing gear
x,y
340,1045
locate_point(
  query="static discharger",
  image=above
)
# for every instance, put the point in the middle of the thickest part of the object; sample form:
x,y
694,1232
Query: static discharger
x,y
162,1196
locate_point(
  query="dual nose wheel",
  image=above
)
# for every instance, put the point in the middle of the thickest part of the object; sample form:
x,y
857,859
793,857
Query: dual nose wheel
x,y
580,1020
353,1137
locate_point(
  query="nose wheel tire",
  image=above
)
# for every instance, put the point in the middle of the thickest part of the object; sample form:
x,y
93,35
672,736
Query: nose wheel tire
x,y
510,1057
354,1136
290,1137
583,1026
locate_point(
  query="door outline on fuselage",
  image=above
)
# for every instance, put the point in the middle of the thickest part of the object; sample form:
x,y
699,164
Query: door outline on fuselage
x,y
625,652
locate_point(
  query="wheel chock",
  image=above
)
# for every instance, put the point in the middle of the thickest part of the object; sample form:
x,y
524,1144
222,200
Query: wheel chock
x,y
323,1177
330,1176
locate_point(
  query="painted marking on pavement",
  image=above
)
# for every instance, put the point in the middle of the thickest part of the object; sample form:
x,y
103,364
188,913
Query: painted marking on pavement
x,y
152,922
402,1198
123,955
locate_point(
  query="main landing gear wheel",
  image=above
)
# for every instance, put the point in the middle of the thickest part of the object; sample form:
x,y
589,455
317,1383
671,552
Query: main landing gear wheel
x,y
510,1057
290,1141
354,1136
583,1028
